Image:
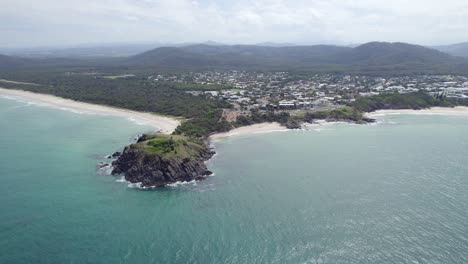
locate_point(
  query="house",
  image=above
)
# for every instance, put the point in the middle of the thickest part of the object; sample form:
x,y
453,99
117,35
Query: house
x,y
287,105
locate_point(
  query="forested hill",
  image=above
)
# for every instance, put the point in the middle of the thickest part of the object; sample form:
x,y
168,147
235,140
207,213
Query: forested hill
x,y
238,55
383,53
370,57
378,58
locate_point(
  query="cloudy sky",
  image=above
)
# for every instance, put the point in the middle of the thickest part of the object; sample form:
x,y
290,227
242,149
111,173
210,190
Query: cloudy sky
x,y
65,22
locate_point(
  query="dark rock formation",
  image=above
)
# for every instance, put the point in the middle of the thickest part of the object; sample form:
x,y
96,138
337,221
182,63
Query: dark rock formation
x,y
142,138
155,170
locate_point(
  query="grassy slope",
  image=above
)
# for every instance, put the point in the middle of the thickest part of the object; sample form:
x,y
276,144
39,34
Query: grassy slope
x,y
171,146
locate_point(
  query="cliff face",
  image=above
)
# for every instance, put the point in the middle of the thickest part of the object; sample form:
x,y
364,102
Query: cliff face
x,y
148,163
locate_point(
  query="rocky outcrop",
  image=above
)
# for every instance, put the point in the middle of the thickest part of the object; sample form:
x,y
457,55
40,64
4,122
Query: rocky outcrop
x,y
155,170
116,154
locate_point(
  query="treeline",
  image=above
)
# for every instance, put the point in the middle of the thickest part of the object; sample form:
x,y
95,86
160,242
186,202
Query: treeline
x,y
203,114
261,117
203,126
345,113
415,100
135,94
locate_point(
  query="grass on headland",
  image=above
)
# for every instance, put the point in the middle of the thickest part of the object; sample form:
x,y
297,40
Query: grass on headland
x,y
171,146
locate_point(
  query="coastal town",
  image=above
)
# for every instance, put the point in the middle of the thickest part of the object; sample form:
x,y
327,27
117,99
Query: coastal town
x,y
285,91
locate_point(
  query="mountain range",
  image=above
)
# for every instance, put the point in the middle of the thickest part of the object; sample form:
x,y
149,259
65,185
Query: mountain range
x,y
399,58
373,56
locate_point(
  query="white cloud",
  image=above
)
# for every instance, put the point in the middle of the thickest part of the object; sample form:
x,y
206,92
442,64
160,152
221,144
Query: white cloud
x,y
46,22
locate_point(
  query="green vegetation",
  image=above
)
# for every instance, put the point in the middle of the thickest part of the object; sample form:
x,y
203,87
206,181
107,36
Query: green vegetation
x,y
416,100
343,113
260,117
20,86
210,123
136,93
203,114
374,58
171,146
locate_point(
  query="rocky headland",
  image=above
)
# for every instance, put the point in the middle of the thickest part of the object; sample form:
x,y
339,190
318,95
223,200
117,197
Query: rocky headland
x,y
157,160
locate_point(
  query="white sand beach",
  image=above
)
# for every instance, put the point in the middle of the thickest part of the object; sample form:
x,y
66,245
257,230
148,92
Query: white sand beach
x,y
252,129
168,125
162,123
459,110
274,127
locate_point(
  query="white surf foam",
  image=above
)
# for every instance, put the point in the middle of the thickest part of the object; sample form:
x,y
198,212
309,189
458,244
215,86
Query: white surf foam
x,y
122,180
137,121
105,170
180,183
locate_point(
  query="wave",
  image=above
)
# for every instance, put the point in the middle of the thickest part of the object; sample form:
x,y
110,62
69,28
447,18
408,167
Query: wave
x,y
385,114
74,110
139,185
22,100
9,97
181,183
382,122
105,168
137,121
122,180
20,106
43,104
136,185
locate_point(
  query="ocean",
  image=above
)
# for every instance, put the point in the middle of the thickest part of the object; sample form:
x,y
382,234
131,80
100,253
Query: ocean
x,y
392,192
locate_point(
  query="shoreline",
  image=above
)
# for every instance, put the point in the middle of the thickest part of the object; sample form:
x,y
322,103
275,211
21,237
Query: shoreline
x,y
458,110
261,128
167,125
164,124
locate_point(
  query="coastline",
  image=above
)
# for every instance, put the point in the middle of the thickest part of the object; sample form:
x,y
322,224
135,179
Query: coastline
x,y
458,110
167,125
164,124
276,127
247,130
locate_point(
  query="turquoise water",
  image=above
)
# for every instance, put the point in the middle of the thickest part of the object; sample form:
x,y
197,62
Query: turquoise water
x,y
396,192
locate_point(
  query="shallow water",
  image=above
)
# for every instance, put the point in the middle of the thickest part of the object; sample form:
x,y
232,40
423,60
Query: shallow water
x,y
395,192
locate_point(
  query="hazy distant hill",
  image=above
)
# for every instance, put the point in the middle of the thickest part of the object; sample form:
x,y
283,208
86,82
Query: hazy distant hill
x,y
383,53
275,44
460,49
249,56
110,50
367,57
